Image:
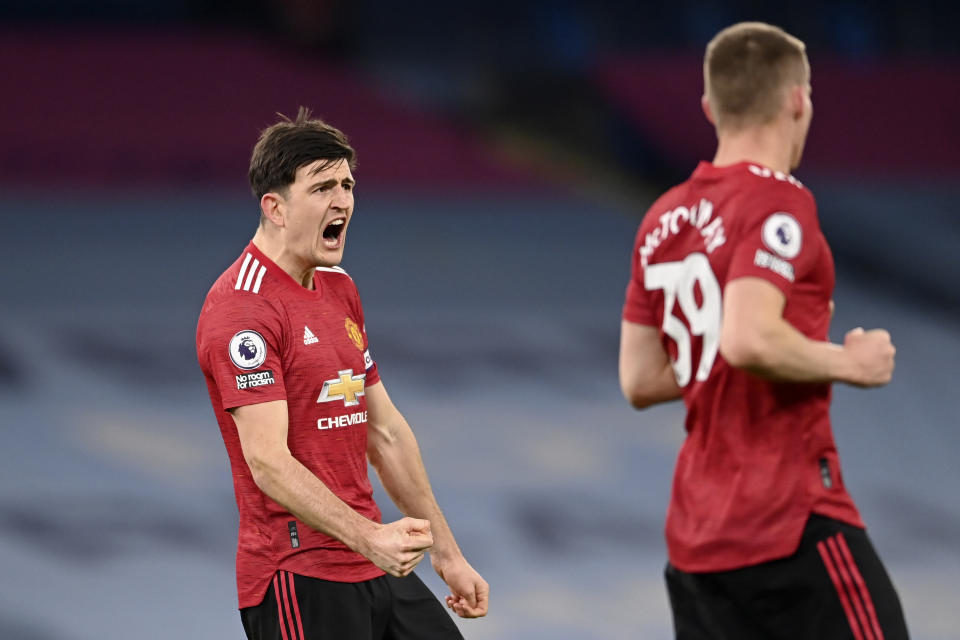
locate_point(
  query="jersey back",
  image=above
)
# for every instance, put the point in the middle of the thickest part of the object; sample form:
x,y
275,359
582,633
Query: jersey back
x,y
759,455
263,337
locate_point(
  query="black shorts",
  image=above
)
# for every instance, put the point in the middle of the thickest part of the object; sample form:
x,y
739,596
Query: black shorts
x,y
385,608
833,588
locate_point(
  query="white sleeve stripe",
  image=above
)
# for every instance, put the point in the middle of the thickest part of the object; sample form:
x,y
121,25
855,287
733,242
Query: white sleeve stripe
x,y
256,286
243,269
253,269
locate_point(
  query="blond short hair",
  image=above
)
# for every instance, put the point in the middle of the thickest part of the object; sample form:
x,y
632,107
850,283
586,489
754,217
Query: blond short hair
x,y
746,69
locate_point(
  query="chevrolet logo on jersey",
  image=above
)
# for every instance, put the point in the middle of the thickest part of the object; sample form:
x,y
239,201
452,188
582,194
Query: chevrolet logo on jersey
x,y
347,387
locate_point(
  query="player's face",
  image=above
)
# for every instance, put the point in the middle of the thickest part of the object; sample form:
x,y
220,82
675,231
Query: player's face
x,y
319,206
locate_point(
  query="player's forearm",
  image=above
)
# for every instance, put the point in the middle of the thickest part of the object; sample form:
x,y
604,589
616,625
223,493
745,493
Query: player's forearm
x,y
649,388
778,351
287,482
395,455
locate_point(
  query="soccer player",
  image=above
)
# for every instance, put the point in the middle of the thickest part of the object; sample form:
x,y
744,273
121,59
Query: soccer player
x,y
728,307
301,407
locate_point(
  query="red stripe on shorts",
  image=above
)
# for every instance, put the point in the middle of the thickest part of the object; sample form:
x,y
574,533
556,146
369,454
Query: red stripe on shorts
x,y
296,605
280,616
861,586
848,581
847,609
286,606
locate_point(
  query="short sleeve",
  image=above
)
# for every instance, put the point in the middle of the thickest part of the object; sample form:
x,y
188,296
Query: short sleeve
x,y
638,306
777,244
240,347
373,374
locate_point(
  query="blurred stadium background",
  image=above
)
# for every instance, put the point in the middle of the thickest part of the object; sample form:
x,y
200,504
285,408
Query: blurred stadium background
x,y
507,151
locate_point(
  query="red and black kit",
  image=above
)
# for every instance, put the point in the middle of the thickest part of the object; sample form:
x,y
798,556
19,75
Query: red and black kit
x,y
759,460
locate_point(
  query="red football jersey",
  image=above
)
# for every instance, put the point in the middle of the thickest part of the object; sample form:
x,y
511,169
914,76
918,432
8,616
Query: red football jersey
x,y
261,337
759,456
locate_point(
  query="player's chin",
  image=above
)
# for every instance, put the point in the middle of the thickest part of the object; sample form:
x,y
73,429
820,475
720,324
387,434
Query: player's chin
x,y
326,257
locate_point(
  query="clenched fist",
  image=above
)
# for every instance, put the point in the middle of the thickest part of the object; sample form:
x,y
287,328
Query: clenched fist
x,y
397,547
871,355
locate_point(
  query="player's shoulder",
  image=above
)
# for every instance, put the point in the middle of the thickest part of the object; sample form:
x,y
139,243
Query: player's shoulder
x,y
247,287
668,200
764,183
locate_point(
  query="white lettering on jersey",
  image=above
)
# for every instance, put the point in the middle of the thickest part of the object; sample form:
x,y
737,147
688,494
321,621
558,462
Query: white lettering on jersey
x,y
698,216
338,422
763,172
678,280
775,264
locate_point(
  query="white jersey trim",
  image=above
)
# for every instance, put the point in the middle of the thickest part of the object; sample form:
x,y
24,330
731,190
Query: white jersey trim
x,y
334,270
250,274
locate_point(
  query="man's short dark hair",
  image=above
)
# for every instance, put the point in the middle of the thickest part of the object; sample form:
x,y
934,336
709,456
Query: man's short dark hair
x,y
290,144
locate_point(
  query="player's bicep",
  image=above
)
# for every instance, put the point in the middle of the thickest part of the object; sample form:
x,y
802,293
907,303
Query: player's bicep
x,y
262,429
752,313
641,354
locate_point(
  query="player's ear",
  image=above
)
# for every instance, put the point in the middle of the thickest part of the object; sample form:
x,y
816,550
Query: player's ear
x,y
271,206
705,105
796,102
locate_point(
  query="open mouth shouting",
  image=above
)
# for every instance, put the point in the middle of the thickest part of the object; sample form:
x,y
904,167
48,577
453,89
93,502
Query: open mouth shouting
x,y
333,233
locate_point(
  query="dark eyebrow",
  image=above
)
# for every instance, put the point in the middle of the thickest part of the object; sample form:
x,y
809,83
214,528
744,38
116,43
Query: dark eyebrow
x,y
332,182
326,183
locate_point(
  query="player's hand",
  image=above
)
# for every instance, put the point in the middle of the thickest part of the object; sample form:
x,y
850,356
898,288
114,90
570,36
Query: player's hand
x,y
469,593
397,547
871,353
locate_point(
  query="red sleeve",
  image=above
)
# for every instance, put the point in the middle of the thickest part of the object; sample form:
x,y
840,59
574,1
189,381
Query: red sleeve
x,y
776,242
241,346
638,306
373,374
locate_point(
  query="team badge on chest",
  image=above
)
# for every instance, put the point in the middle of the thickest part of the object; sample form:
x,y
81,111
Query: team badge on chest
x,y
354,332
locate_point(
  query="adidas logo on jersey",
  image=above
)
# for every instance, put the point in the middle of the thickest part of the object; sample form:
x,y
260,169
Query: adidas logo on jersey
x,y
308,337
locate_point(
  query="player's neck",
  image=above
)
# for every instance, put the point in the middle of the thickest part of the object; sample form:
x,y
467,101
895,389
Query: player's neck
x,y
766,146
271,245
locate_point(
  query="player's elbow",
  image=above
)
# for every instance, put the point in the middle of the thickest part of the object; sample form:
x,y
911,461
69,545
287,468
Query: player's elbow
x,y
636,393
264,468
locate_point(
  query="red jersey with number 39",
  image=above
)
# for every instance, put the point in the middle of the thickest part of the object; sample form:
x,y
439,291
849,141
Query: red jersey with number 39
x,y
759,455
262,337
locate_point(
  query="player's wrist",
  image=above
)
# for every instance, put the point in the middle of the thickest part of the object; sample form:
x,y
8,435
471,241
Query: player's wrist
x,y
844,366
363,537
443,555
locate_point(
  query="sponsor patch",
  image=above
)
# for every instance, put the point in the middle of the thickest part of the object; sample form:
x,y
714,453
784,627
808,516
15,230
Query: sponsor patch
x,y
346,387
782,233
254,379
367,360
247,349
339,422
775,264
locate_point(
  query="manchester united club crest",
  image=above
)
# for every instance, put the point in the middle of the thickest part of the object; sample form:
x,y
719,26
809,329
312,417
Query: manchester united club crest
x,y
354,332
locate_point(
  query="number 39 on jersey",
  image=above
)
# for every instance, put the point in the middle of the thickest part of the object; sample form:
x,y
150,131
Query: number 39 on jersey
x,y
679,282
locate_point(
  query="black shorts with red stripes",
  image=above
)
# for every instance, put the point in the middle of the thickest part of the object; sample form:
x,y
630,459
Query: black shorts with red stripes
x,y
386,608
834,587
